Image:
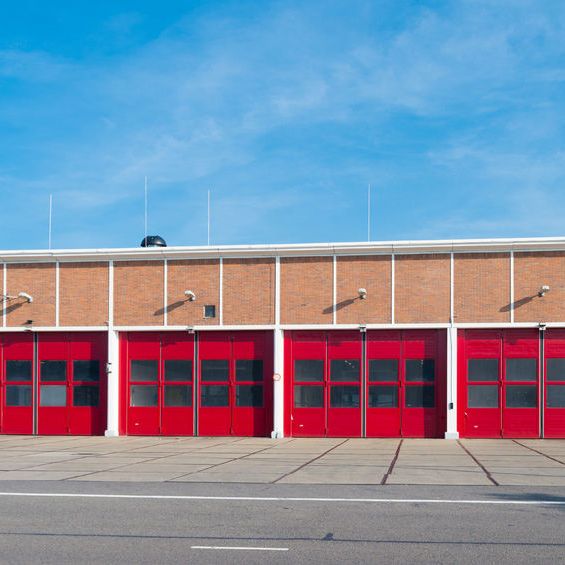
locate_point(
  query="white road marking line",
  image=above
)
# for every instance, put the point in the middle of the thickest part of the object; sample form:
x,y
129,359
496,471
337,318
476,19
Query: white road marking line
x,y
286,499
239,548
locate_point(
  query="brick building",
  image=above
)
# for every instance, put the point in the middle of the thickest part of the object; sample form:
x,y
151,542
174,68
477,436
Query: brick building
x,y
418,339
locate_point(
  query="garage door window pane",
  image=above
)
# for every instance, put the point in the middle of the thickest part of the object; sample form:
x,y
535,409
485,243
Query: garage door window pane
x,y
482,396
521,396
420,397
343,370
143,396
249,370
213,396
482,370
309,370
344,397
556,396
51,395
53,370
420,370
144,371
555,370
178,395
521,370
215,370
308,396
18,370
85,395
383,370
178,370
86,371
382,396
18,395
249,395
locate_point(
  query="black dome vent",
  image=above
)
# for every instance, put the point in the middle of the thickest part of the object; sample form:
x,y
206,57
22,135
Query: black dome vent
x,y
153,241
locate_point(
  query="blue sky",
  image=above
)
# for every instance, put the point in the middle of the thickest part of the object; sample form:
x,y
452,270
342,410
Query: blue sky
x,y
454,112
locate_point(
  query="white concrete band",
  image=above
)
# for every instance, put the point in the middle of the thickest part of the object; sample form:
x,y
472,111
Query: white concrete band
x,y
512,287
57,293
4,292
165,291
334,291
221,298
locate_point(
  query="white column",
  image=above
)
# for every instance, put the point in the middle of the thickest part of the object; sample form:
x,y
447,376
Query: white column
x,y
278,385
113,366
452,432
113,375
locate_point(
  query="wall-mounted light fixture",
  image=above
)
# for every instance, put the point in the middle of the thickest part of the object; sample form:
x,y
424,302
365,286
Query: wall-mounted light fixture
x,y
27,297
190,296
543,290
362,293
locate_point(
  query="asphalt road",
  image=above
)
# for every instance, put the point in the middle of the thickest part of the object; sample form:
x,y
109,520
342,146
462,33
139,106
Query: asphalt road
x,y
384,524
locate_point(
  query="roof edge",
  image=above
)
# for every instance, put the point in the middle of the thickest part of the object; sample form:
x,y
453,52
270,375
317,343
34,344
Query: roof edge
x,y
492,245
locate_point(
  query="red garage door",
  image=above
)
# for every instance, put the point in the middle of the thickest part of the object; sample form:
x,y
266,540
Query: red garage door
x,y
16,383
235,383
498,383
406,383
325,390
158,378
71,387
554,391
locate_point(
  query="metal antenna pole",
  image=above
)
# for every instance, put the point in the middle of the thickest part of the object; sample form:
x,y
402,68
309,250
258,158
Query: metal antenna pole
x,y
50,218
208,217
145,231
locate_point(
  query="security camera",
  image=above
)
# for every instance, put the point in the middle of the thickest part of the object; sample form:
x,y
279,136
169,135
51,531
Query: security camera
x,y
543,290
26,296
362,293
190,295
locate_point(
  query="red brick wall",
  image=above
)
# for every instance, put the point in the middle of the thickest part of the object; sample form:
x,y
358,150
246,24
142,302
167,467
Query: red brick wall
x,y
202,276
373,274
482,287
531,271
38,280
422,289
83,294
249,291
306,290
138,293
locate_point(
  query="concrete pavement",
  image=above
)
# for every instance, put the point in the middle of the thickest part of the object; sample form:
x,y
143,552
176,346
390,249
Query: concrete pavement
x,y
286,461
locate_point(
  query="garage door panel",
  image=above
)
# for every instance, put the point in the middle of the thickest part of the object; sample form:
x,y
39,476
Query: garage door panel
x,y
16,378
554,393
498,383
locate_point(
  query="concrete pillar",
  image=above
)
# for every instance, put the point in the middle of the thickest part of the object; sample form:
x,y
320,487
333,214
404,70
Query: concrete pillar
x,y
113,375
278,385
451,432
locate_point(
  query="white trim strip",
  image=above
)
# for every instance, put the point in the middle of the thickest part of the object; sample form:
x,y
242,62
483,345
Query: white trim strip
x,y
512,287
334,291
165,291
110,294
277,291
221,304
267,327
4,292
392,289
57,294
452,288
517,502
239,548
